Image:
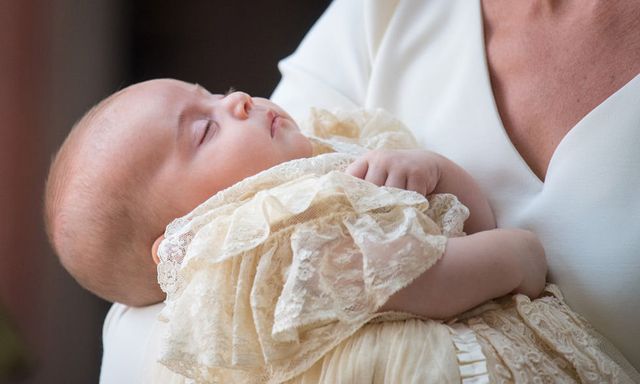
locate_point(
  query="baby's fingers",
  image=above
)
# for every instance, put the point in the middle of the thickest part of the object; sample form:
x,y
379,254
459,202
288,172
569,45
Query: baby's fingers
x,y
358,168
363,169
418,184
376,175
396,180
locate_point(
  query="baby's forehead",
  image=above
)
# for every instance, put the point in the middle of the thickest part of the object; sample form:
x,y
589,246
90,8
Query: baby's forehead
x,y
159,89
154,99
135,124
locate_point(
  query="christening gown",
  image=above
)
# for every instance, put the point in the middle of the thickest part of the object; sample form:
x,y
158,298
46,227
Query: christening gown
x,y
278,279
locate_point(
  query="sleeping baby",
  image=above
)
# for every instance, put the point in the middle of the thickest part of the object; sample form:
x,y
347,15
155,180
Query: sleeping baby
x,y
276,250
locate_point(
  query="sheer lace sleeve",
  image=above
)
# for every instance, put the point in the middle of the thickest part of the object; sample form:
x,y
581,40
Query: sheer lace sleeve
x,y
266,277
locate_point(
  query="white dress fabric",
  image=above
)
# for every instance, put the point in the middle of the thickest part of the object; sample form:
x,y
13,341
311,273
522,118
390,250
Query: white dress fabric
x,y
131,338
424,61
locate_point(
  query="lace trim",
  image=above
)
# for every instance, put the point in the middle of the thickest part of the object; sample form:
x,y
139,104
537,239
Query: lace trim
x,y
275,300
181,231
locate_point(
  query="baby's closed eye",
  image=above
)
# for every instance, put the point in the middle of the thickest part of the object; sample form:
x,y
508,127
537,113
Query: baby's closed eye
x,y
203,129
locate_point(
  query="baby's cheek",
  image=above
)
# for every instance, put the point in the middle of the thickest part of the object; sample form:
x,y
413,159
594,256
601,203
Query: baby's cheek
x,y
200,190
300,147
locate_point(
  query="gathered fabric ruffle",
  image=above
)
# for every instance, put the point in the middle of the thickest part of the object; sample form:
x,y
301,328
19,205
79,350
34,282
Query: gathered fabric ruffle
x,y
510,340
264,286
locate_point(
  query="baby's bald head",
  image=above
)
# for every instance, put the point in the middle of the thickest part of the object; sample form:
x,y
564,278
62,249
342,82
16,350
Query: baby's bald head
x,y
98,211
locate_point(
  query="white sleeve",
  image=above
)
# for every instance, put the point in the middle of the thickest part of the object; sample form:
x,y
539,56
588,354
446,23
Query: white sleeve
x,y
130,341
332,66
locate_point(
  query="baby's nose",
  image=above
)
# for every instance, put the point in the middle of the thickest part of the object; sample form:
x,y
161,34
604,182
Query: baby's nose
x,y
238,104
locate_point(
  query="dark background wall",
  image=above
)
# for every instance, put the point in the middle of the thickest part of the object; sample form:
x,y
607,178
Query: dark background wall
x,y
57,59
218,43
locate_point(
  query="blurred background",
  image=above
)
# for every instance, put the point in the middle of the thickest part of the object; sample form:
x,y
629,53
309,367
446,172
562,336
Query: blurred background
x,y
57,59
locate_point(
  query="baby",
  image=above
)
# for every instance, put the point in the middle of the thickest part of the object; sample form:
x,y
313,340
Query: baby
x,y
157,150
154,151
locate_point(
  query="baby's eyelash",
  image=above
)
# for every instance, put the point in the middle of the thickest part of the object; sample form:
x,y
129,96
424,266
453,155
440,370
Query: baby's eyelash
x,y
230,91
207,128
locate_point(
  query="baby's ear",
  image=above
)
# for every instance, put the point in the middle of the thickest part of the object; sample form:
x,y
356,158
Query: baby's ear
x,y
154,249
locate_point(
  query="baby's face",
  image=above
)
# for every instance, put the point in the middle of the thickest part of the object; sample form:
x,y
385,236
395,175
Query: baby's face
x,y
188,144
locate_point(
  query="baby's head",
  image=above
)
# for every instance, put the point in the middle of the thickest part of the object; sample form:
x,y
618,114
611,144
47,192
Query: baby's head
x,y
144,156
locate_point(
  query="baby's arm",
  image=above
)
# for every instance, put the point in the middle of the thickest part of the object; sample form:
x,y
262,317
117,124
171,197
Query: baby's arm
x,y
426,172
488,263
473,269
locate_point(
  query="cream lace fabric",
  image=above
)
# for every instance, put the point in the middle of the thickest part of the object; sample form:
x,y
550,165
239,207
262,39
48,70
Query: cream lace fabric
x,y
512,340
267,276
277,279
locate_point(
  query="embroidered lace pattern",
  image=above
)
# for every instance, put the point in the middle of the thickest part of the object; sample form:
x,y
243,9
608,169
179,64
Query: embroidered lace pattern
x,y
512,340
272,283
267,276
543,341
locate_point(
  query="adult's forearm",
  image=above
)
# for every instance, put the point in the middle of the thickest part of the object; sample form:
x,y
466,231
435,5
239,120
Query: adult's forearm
x,y
330,68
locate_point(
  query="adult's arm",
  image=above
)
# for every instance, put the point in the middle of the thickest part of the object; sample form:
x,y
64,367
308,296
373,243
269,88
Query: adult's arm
x,y
130,339
332,66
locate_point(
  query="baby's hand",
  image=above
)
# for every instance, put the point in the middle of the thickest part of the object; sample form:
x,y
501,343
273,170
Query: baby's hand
x,y
414,170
